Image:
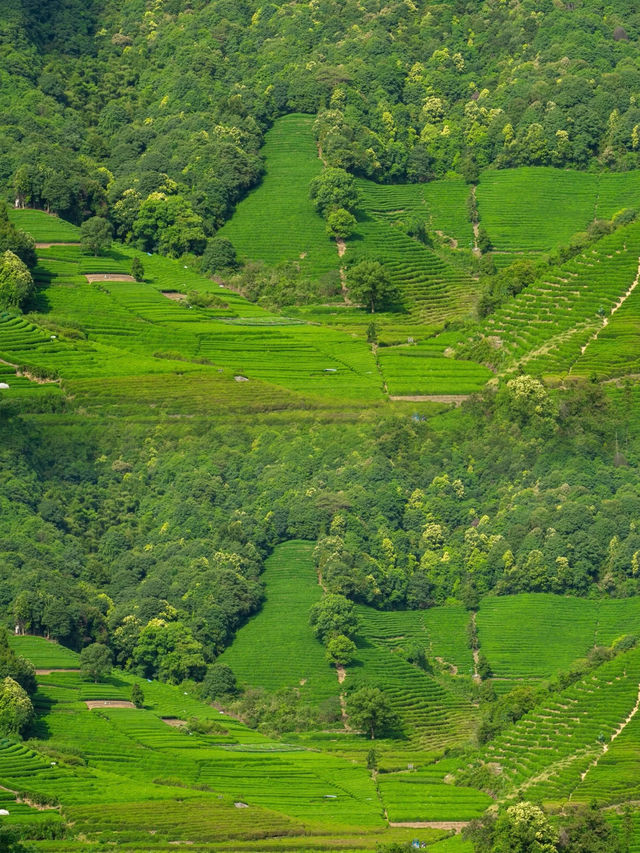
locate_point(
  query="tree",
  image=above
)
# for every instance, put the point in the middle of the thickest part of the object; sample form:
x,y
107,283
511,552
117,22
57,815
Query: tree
x,y
524,828
137,695
219,255
168,224
331,616
137,269
340,223
332,189
587,831
368,708
340,650
219,681
368,282
19,242
95,661
16,710
16,283
96,234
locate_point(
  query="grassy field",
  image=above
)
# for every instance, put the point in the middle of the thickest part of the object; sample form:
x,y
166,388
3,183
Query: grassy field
x,y
44,227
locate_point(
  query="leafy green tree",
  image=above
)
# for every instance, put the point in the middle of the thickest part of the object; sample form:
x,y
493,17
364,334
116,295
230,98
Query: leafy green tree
x,y
219,255
333,189
588,831
333,615
13,239
137,269
340,650
369,709
524,828
16,710
96,234
16,283
137,695
168,650
369,283
96,661
340,223
168,224
219,682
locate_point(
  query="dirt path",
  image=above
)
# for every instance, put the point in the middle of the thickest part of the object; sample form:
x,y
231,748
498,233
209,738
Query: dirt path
x,y
457,825
109,276
457,399
619,304
56,669
174,295
618,731
342,248
108,703
476,653
49,245
474,223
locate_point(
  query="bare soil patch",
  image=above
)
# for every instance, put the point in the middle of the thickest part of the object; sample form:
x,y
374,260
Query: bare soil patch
x,y
56,669
174,721
109,276
457,825
61,243
457,399
174,295
108,703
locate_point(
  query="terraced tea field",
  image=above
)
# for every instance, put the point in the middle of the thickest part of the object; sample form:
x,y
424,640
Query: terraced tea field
x,y
272,651
44,227
277,222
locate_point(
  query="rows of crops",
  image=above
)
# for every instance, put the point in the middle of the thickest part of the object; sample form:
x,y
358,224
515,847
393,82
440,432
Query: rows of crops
x,y
422,796
44,227
272,651
419,369
546,325
277,222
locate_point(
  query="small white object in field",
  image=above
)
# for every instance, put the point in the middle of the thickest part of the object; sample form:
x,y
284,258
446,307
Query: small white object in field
x,y
3,385
4,812
241,378
241,805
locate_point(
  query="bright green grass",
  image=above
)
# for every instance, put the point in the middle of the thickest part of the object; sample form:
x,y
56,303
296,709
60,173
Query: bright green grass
x,y
44,227
277,647
44,654
277,222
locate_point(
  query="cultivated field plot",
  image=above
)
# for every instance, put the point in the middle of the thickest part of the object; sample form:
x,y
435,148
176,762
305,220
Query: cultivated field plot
x,y
544,754
535,208
560,629
616,350
277,647
278,222
44,654
545,326
45,227
441,204
422,796
419,369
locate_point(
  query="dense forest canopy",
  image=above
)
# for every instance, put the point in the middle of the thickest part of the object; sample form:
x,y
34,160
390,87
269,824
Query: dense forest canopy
x,y
155,112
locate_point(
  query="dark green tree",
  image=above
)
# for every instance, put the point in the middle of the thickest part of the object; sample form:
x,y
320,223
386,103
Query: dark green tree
x,y
369,709
96,234
369,283
16,283
333,615
333,189
137,695
96,661
219,682
137,269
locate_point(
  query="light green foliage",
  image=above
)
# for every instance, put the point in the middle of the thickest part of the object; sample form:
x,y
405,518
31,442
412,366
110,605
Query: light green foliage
x,y
16,710
340,650
524,828
331,616
16,283
168,650
96,234
333,189
169,225
95,661
340,223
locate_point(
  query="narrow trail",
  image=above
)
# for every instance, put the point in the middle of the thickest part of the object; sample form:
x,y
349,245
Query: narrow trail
x,y
605,320
475,652
341,672
617,733
475,222
342,248
374,350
